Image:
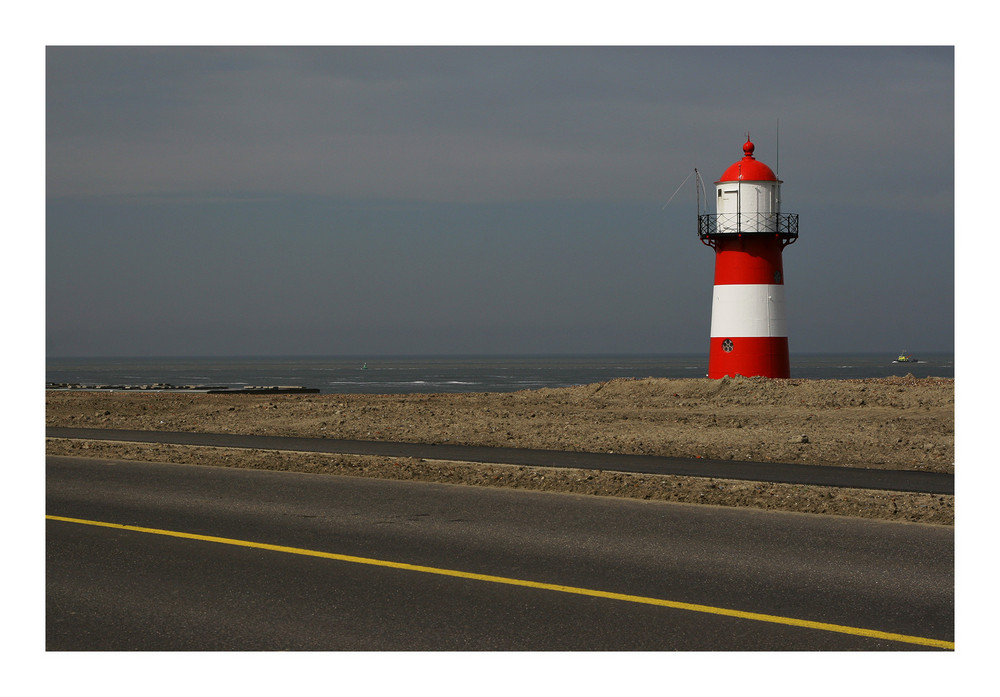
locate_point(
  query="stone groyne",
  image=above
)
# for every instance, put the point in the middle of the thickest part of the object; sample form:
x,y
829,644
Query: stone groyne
x,y
203,389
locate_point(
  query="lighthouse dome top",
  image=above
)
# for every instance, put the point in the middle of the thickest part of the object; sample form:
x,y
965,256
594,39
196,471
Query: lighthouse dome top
x,y
748,169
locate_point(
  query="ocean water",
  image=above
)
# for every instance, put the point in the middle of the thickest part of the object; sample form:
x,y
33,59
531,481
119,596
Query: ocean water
x,y
399,375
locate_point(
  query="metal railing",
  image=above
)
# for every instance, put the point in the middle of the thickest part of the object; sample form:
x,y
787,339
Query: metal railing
x,y
785,225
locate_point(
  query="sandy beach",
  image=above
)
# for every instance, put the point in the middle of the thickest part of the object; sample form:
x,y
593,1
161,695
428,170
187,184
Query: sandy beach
x,y
892,423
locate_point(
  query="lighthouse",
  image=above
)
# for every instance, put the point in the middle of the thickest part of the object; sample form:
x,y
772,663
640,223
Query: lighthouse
x,y
748,232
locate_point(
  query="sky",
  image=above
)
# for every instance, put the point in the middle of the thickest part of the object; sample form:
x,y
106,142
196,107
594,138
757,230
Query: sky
x,y
419,200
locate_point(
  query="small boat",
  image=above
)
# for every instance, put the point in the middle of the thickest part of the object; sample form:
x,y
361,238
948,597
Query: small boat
x,y
904,357
365,366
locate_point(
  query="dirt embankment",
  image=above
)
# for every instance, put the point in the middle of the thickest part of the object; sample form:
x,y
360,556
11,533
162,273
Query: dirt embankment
x,y
892,423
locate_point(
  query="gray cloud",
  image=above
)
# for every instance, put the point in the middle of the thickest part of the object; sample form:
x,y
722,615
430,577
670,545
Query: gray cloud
x,y
486,124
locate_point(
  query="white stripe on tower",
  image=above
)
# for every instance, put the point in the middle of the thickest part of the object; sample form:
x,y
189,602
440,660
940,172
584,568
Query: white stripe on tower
x,y
748,310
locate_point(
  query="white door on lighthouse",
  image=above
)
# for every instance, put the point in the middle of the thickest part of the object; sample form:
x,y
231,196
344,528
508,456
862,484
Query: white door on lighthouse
x,y
728,209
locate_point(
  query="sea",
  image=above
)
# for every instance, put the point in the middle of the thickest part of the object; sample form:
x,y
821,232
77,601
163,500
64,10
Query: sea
x,y
451,374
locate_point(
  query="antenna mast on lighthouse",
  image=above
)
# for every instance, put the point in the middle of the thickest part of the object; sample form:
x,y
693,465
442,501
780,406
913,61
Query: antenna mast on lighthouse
x,y
777,148
697,193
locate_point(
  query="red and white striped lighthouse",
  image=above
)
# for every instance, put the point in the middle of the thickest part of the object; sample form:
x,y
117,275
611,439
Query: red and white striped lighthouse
x,y
748,233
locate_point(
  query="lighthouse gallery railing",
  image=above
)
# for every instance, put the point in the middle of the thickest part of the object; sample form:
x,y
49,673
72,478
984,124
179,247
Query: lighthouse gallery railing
x,y
783,224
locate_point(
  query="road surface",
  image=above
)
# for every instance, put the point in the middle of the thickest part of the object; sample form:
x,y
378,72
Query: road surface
x,y
144,556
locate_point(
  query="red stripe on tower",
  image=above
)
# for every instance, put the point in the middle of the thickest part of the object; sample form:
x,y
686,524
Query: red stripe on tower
x,y
748,233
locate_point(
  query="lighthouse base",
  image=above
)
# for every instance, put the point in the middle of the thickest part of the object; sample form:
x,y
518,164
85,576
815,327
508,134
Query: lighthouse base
x,y
748,356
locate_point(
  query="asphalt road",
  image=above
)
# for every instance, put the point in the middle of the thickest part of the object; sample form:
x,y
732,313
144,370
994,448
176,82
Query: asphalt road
x,y
493,569
789,473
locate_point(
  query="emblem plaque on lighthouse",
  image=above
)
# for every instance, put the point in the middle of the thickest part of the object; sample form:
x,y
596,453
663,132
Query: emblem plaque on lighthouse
x,y
748,232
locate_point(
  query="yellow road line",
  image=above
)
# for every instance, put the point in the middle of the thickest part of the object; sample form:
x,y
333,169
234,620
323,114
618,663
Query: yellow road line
x,y
774,619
